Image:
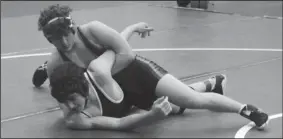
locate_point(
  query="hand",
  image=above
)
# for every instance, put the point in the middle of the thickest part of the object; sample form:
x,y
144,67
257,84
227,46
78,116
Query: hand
x,y
161,106
143,29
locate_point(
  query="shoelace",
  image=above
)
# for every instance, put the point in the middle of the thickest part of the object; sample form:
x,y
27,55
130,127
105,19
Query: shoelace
x,y
42,67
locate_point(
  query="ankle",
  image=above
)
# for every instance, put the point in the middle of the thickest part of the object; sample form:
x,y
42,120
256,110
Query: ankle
x,y
247,109
209,84
213,82
243,107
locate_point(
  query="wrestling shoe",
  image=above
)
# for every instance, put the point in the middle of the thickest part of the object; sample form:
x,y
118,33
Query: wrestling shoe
x,y
260,118
220,84
40,75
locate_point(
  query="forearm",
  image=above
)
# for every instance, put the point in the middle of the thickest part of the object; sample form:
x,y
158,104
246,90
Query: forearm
x,y
137,120
128,32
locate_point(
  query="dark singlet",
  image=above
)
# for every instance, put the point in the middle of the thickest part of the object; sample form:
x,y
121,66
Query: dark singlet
x,y
109,108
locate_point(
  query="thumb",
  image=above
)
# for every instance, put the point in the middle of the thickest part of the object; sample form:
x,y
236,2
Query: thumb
x,y
159,100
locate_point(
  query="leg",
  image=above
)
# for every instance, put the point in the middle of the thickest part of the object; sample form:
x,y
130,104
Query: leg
x,y
183,96
215,84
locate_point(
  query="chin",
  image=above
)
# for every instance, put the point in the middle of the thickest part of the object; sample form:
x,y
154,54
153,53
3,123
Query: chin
x,y
67,49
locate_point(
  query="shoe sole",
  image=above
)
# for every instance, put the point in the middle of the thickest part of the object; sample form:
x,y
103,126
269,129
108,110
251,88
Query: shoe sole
x,y
224,83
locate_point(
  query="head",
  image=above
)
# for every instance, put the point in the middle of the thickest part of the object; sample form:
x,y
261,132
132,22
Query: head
x,y
69,86
57,26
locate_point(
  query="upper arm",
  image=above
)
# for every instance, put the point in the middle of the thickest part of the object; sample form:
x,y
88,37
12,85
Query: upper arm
x,y
109,37
101,74
103,63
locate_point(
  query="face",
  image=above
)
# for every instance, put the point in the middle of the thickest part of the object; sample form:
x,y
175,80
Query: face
x,y
63,42
59,33
75,102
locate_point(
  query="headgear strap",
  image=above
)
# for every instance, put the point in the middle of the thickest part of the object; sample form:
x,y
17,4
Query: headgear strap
x,y
57,18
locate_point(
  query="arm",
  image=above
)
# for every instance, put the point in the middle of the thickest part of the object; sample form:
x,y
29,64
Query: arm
x,y
100,69
113,41
79,122
110,38
141,28
128,32
54,61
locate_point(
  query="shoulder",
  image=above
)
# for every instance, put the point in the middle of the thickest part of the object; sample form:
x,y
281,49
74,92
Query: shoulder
x,y
92,26
90,29
96,29
53,61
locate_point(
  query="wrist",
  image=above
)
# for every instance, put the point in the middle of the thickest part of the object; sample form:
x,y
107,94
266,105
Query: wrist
x,y
152,112
134,28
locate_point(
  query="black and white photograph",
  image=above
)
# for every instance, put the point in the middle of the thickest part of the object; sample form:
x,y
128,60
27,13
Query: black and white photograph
x,y
141,69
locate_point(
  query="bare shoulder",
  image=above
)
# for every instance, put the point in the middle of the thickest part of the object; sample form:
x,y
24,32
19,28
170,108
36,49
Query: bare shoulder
x,y
95,28
90,26
54,61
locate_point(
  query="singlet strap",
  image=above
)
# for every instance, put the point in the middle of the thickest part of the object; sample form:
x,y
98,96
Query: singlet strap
x,y
63,56
88,44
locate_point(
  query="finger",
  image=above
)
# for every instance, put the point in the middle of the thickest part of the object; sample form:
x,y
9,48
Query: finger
x,y
166,110
166,99
158,100
143,35
161,99
164,104
149,29
168,107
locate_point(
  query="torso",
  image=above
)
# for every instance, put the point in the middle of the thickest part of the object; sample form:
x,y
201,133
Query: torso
x,y
81,54
98,104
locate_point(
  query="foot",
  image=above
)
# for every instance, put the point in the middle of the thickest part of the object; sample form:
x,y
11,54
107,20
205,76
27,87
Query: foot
x,y
40,75
260,118
218,83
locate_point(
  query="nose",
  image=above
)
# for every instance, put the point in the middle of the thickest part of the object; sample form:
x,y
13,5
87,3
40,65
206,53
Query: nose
x,y
64,40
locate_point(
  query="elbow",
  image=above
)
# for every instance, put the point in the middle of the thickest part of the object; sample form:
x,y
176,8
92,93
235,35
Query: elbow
x,y
125,57
130,55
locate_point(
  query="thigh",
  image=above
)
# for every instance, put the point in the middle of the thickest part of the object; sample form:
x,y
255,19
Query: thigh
x,y
139,81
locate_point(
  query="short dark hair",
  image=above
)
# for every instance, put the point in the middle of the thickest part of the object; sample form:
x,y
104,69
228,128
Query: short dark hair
x,y
66,79
51,12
